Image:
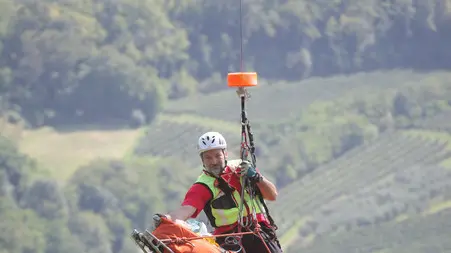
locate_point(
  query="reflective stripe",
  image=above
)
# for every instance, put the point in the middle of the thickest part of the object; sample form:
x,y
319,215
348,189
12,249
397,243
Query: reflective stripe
x,y
220,214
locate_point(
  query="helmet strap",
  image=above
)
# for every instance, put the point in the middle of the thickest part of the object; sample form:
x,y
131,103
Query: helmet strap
x,y
225,159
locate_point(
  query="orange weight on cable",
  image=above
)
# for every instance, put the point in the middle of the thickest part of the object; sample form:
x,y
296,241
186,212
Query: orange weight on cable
x,y
242,79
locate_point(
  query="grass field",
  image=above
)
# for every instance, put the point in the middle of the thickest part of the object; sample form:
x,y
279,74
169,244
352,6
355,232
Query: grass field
x,y
63,153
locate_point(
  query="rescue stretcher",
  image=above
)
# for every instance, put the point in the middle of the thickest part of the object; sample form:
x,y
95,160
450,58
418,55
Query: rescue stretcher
x,y
170,237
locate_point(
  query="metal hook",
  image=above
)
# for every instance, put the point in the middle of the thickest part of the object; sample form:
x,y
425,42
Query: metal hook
x,y
233,241
242,92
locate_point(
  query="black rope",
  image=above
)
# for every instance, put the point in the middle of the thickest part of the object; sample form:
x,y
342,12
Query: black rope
x,y
247,134
241,36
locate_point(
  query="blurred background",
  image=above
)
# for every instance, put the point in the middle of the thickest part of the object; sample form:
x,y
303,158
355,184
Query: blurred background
x,y
102,102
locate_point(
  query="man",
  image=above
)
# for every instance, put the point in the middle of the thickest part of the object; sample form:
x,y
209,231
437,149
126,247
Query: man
x,y
217,192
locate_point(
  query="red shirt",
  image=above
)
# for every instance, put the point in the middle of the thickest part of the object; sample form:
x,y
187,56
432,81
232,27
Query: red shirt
x,y
198,195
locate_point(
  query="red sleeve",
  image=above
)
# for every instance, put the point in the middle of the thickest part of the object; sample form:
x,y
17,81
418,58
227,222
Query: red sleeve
x,y
197,196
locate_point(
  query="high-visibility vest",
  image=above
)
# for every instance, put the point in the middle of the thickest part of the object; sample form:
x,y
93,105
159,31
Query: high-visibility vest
x,y
224,210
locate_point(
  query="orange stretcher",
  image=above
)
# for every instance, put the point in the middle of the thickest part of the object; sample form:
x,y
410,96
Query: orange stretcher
x,y
170,237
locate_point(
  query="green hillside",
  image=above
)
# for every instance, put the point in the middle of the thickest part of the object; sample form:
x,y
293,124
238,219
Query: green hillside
x,y
317,125
176,136
316,201
102,102
440,122
419,234
364,187
346,163
275,101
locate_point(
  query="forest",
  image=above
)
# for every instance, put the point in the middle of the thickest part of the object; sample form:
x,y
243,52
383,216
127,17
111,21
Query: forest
x,y
99,60
102,101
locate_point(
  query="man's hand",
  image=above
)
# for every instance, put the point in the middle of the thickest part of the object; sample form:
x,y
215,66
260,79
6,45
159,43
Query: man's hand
x,y
246,168
268,189
156,218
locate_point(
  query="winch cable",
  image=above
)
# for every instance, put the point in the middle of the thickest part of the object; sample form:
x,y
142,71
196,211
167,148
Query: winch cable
x,y
242,80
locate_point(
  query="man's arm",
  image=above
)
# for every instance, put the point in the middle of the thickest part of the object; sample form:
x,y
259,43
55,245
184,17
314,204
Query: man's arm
x,y
267,188
182,213
195,199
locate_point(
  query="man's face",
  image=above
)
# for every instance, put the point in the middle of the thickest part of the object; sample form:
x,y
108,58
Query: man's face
x,y
214,161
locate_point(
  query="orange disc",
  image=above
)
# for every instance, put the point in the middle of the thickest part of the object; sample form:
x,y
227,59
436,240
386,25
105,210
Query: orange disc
x,y
242,79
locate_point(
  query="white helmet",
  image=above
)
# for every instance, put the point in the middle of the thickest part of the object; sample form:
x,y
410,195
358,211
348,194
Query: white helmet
x,y
211,140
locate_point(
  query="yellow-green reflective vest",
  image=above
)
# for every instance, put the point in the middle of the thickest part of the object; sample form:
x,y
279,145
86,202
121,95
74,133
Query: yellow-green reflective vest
x,y
222,209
